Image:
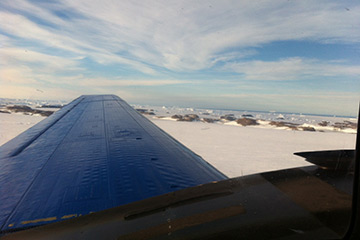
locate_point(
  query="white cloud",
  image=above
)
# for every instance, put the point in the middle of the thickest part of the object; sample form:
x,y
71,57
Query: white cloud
x,y
22,66
20,26
291,69
183,35
100,82
70,37
142,38
29,8
186,35
318,102
16,74
4,40
16,55
110,58
319,95
31,92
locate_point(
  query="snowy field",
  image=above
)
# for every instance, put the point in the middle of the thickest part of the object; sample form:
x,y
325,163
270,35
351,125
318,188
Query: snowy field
x,y
234,149
13,124
267,145
238,151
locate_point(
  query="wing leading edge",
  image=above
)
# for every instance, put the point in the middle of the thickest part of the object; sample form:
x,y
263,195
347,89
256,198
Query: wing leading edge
x,y
96,153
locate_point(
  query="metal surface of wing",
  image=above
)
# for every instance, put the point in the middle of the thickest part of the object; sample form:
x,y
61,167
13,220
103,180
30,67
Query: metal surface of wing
x,y
95,153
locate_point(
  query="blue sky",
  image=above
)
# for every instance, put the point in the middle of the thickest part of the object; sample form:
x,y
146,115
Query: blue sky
x,y
289,56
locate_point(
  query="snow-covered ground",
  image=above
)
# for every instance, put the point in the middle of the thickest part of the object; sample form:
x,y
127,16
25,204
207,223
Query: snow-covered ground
x,y
234,149
238,151
13,124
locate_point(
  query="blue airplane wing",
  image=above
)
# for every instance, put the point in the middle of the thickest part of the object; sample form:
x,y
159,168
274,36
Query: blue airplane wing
x,y
95,153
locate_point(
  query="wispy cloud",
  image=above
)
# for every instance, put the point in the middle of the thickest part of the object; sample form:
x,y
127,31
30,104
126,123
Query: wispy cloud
x,y
22,66
13,56
30,92
341,103
186,36
314,95
101,82
16,75
66,37
181,36
292,69
195,46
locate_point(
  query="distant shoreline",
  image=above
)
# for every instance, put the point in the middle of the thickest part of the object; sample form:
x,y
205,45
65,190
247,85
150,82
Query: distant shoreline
x,y
247,110
262,119
32,102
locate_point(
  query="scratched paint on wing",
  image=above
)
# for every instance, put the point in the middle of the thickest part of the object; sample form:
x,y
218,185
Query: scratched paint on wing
x,y
49,219
69,216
